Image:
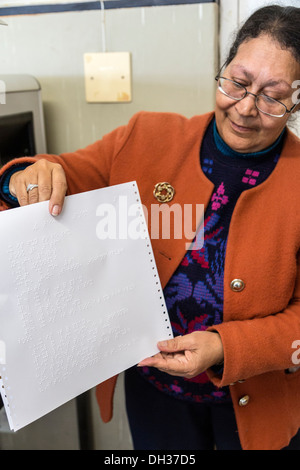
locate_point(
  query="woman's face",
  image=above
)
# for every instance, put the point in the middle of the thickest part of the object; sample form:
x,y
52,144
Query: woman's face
x,y
263,67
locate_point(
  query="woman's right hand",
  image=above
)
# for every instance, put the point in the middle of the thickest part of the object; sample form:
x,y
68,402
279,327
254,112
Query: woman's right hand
x,y
52,185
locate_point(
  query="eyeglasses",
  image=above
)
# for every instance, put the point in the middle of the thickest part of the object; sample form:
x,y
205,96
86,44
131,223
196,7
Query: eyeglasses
x,y
264,103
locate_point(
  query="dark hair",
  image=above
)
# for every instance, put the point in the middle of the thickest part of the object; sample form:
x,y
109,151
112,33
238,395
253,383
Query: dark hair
x,y
281,23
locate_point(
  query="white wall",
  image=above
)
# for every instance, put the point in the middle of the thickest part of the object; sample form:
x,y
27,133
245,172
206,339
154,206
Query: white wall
x,y
174,59
246,7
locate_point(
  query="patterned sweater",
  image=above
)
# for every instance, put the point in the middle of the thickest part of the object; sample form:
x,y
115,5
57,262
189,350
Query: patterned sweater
x,y
194,294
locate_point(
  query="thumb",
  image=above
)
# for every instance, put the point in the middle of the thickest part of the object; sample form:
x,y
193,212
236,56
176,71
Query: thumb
x,y
179,343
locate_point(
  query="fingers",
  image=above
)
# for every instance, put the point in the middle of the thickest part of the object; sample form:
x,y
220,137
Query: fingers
x,y
20,190
171,349
160,361
51,185
188,355
178,364
59,189
12,188
179,343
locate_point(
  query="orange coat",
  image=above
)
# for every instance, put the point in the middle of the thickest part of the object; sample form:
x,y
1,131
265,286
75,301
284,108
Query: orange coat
x,y
261,322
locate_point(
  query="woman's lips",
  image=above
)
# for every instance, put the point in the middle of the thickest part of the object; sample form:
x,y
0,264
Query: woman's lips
x,y
240,129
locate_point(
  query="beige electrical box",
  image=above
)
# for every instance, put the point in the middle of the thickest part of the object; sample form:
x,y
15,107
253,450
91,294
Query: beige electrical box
x,y
107,77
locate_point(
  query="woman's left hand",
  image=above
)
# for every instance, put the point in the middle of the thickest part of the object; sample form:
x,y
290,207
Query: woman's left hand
x,y
189,355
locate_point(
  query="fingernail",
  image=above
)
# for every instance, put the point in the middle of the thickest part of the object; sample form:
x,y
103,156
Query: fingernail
x,y
162,344
55,210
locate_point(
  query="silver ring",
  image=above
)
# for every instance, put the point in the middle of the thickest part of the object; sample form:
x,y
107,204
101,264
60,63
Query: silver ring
x,y
31,186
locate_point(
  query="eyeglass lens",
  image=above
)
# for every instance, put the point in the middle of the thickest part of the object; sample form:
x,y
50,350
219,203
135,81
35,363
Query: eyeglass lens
x,y
264,103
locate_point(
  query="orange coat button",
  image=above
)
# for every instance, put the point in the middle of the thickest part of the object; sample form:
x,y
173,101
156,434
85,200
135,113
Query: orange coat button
x,y
244,400
237,285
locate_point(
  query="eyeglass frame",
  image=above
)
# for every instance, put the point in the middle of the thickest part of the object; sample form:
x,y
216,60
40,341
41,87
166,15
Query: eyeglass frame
x,y
217,78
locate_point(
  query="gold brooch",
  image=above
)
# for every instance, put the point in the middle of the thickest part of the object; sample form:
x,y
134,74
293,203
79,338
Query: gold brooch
x,y
163,192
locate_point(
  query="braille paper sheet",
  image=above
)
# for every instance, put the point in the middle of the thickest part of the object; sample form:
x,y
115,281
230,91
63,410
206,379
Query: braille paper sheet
x,y
80,298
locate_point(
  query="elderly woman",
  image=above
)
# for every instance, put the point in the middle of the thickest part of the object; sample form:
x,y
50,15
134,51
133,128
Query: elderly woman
x,y
229,378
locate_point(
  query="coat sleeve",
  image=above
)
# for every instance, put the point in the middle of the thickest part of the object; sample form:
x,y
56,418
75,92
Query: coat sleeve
x,y
260,345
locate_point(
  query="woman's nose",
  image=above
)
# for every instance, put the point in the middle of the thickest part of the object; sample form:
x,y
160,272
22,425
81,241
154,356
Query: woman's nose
x,y
247,106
